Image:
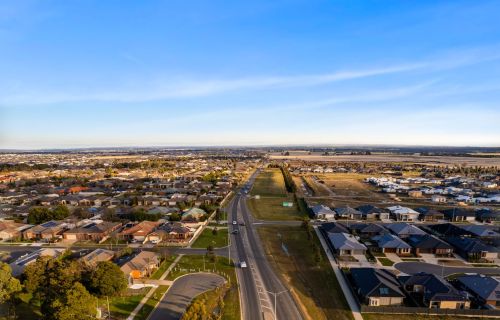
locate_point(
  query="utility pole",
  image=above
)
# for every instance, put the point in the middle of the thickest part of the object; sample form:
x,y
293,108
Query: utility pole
x,y
276,294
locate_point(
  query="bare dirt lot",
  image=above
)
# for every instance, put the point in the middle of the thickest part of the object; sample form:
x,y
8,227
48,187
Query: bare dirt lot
x,y
429,160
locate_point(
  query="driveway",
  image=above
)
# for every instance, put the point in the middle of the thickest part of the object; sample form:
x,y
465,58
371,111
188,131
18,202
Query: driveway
x,y
416,267
182,292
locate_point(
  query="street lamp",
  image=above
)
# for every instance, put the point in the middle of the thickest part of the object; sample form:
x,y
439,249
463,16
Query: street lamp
x,y
275,294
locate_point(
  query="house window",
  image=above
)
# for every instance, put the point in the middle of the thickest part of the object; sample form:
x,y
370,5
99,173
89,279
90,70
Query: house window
x,y
374,302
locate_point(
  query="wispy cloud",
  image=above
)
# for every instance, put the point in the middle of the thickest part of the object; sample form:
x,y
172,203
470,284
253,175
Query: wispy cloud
x,y
178,88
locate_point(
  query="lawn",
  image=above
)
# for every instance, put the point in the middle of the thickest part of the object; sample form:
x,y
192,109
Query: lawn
x,y
313,284
163,267
194,263
207,238
121,307
269,183
386,262
151,303
272,209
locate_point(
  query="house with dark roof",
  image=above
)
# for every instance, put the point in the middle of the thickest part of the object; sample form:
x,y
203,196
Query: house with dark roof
x,y
473,249
367,230
488,215
171,232
389,243
434,292
484,289
321,211
429,215
93,231
371,212
333,227
485,233
404,230
429,244
447,230
348,213
459,214
346,244
377,287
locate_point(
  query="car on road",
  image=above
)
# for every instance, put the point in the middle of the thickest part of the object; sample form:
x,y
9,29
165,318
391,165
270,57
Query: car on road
x,y
243,264
234,222
155,241
242,223
235,232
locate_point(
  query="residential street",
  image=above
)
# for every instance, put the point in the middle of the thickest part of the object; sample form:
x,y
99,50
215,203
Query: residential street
x,y
416,267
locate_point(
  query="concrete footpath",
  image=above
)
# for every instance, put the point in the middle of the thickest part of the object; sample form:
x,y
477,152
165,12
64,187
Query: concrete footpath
x,y
343,283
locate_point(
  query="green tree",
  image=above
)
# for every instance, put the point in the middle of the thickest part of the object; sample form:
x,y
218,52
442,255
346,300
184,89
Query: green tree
x,y
76,303
60,212
48,278
107,279
9,285
175,217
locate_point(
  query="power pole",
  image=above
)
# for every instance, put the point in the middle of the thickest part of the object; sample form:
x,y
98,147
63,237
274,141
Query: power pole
x,y
276,294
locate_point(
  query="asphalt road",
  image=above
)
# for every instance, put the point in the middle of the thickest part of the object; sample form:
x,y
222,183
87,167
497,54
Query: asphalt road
x,y
258,279
416,267
181,293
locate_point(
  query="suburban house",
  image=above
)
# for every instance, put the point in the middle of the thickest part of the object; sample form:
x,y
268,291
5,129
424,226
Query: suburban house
x,y
473,249
367,230
403,213
371,212
429,215
20,263
488,215
484,289
46,231
348,213
389,243
459,214
170,232
10,230
429,244
486,234
138,231
437,198
193,215
346,244
434,291
321,211
404,230
377,287
93,231
141,265
96,256
333,227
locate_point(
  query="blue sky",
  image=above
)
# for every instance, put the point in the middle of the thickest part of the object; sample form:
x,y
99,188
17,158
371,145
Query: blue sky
x,y
132,73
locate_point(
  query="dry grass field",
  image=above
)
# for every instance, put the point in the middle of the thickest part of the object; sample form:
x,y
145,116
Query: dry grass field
x,y
272,209
313,284
269,183
429,160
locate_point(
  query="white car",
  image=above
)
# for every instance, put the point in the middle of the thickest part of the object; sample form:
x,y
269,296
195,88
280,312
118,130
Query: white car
x,y
234,222
155,241
243,264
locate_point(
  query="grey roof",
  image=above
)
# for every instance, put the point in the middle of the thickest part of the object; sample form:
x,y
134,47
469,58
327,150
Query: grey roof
x,y
321,209
403,228
481,231
427,241
436,288
487,288
347,211
373,282
345,241
333,227
390,241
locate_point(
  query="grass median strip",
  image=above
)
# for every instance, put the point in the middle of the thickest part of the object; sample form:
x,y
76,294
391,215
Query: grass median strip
x,y
305,270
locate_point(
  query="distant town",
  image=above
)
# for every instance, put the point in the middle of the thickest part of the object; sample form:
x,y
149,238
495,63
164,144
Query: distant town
x,y
295,233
